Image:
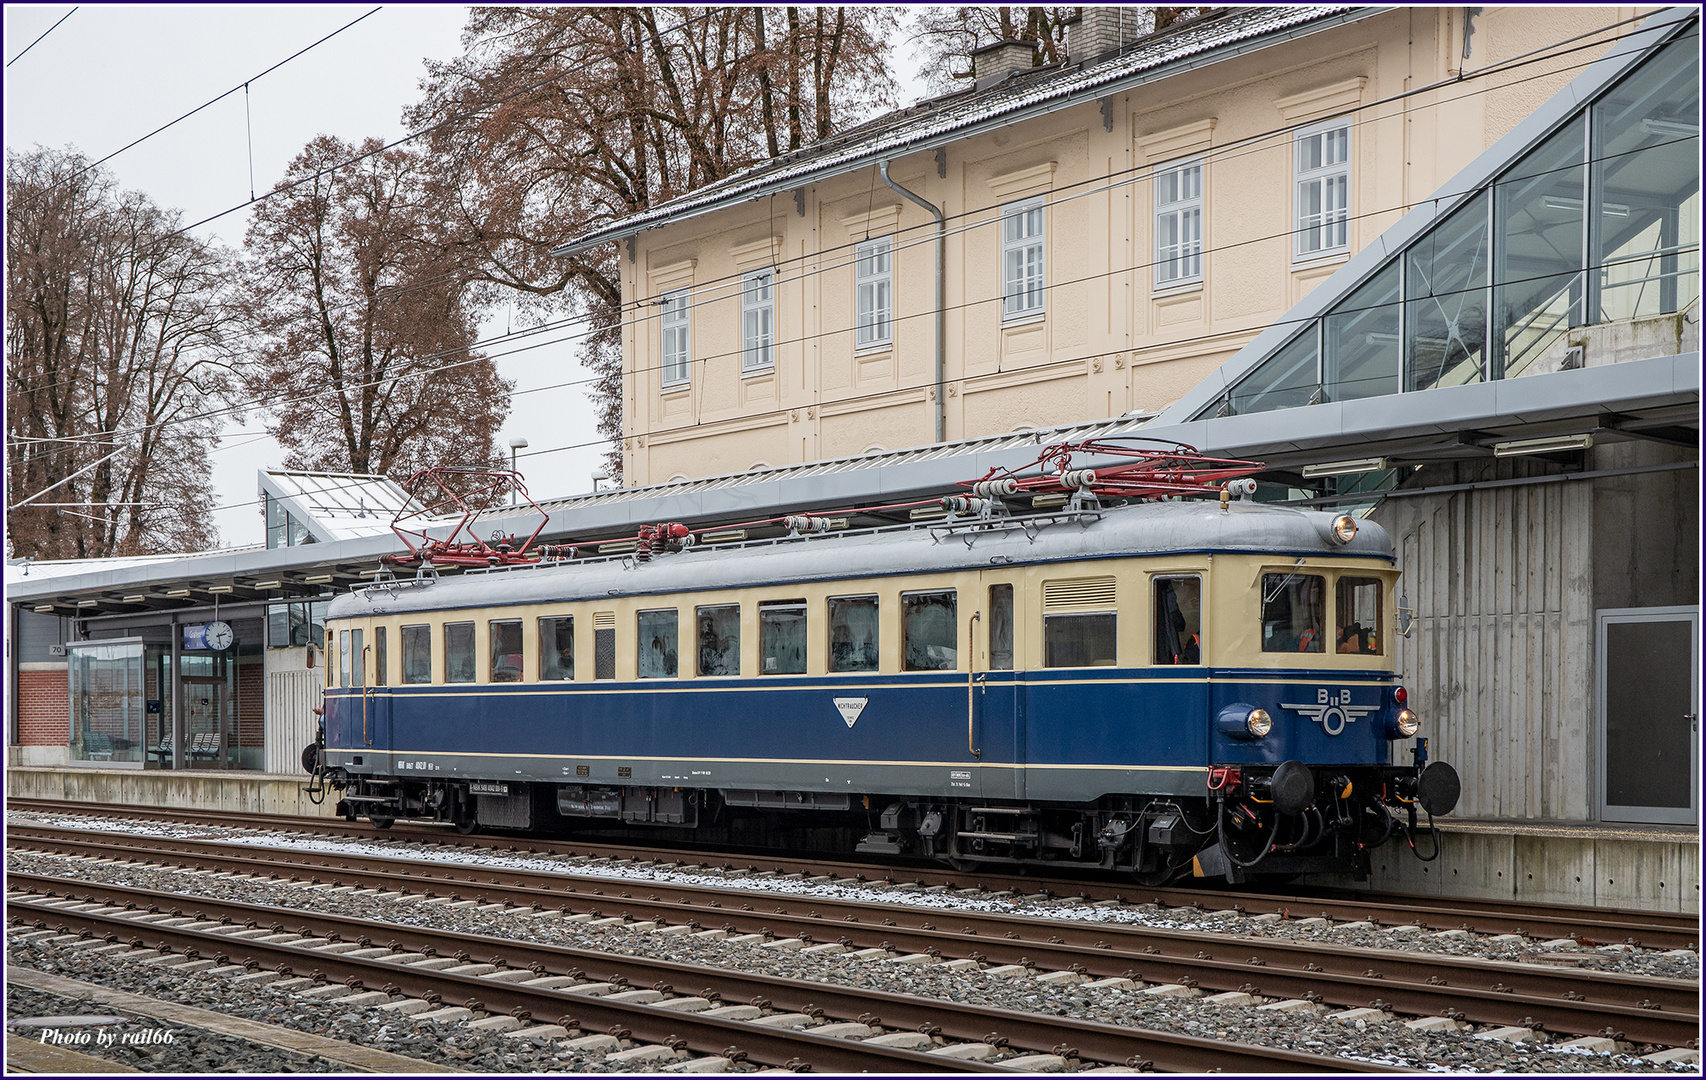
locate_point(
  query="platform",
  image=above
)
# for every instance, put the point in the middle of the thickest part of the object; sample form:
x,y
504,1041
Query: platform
x,y
1585,863
236,792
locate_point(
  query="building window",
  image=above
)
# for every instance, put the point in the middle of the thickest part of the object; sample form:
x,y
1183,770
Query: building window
x,y
929,634
1323,189
782,637
459,652
417,654
1178,224
852,633
283,530
719,639
676,339
1022,259
873,287
758,320
660,656
557,648
505,640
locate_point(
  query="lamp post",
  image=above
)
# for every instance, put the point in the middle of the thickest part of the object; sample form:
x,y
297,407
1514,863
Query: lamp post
x,y
514,445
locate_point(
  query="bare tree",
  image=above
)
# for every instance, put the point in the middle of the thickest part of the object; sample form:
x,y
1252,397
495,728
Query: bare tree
x,y
606,111
362,338
116,337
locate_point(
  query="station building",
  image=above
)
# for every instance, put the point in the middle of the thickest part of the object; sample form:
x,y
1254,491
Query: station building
x,y
1438,267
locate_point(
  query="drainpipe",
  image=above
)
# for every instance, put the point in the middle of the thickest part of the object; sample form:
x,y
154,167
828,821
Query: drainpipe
x,y
941,270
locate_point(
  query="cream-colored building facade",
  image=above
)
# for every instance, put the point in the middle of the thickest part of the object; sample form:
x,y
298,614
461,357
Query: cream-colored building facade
x,y
1114,229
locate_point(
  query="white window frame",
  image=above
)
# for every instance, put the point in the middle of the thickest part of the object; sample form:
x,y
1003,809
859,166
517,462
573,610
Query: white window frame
x,y
873,293
1319,231
758,321
1182,263
675,340
1031,282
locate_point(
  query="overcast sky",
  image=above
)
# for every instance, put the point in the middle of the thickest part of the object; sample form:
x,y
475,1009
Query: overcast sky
x,y
108,75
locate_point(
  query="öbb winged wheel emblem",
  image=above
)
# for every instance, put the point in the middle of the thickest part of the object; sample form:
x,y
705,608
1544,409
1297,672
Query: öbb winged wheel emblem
x,y
1332,711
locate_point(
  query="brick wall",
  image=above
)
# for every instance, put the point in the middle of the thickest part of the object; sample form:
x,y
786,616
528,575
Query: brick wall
x,y
44,709
251,704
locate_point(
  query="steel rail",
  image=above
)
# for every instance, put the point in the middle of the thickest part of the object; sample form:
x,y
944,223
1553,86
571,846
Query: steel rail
x,y
1569,1001
1658,930
1096,1041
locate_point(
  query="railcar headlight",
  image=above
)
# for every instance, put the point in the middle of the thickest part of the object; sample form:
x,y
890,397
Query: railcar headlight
x,y
1259,723
1344,528
1407,723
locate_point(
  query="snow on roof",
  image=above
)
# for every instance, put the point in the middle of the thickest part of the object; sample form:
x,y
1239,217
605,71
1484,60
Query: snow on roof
x,y
954,116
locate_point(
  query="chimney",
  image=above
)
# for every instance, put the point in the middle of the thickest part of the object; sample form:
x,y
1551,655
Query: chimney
x,y
992,63
1102,30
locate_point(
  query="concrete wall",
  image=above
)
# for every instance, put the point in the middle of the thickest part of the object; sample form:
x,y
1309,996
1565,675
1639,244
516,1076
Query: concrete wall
x,y
237,792
1109,340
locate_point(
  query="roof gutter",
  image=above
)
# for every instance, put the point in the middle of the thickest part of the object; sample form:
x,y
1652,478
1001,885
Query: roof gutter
x,y
622,230
941,270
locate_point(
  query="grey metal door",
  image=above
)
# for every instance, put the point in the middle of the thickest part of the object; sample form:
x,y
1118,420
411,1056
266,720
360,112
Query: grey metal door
x,y
1649,714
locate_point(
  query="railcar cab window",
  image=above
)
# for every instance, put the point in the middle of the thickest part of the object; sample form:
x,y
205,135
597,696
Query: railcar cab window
x,y
929,631
459,652
505,639
1178,620
1293,613
782,637
719,639
381,671
557,648
1358,606
417,654
1001,628
852,633
659,634
1080,640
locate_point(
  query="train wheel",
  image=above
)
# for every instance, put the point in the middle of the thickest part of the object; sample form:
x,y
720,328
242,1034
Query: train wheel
x,y
466,826
381,821
963,866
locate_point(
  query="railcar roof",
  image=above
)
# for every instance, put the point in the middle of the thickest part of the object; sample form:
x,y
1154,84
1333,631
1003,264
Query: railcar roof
x,y
1147,529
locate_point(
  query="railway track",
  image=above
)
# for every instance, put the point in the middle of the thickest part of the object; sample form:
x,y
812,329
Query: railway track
x,y
585,990
1654,930
1559,999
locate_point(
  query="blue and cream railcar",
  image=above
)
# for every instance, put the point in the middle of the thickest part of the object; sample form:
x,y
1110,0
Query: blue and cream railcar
x,y
1154,687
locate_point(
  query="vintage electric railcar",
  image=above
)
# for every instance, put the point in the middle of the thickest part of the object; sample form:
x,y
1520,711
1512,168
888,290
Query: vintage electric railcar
x,y
1163,688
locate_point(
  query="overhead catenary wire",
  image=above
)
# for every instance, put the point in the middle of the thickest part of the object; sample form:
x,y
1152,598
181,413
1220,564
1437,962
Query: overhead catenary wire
x,y
43,34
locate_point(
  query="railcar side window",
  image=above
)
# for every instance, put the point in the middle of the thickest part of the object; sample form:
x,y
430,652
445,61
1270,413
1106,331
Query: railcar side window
x,y
1178,620
1359,611
380,674
343,658
1080,640
852,633
505,637
557,648
719,639
1001,628
604,644
659,655
782,637
1293,613
358,659
417,654
458,652
929,631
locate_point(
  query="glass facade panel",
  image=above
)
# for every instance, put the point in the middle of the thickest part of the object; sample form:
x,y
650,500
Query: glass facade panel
x,y
1361,352
459,652
659,644
782,637
1286,379
297,623
108,709
1293,613
719,639
557,648
505,640
929,631
1445,282
417,654
1001,628
852,633
1539,290
1646,183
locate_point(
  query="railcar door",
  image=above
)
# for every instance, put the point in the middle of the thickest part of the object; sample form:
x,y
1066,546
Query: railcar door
x,y
994,695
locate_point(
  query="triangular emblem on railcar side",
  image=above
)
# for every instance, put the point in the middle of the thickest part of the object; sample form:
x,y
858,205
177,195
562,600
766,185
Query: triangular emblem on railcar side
x,y
850,708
